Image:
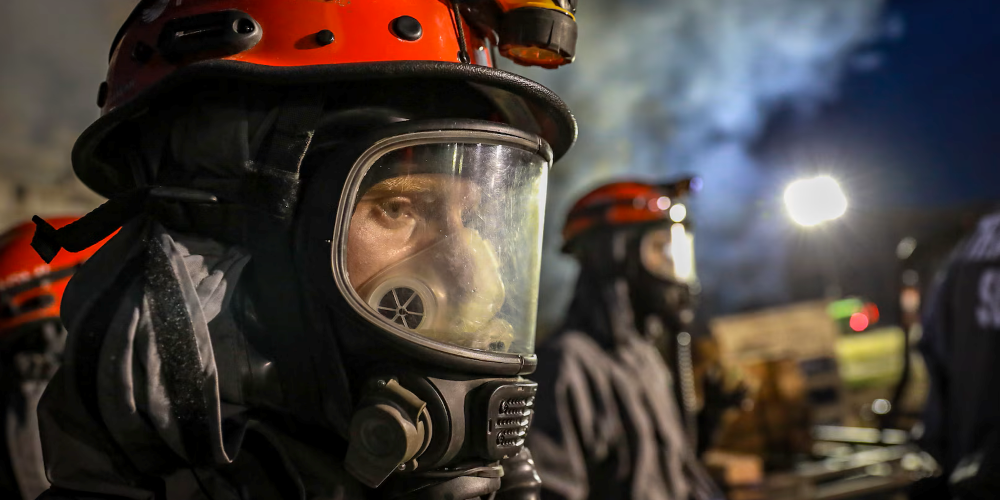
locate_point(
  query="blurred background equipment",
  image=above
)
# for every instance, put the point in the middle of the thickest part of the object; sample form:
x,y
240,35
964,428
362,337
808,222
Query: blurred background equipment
x,y
822,377
788,356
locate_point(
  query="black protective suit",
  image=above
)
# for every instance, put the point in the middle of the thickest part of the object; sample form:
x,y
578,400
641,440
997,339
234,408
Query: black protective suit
x,y
961,345
607,424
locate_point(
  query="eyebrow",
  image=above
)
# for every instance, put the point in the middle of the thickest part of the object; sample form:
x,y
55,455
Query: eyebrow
x,y
408,184
422,185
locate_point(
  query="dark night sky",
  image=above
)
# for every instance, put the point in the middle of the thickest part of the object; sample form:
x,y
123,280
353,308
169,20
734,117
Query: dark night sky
x,y
923,129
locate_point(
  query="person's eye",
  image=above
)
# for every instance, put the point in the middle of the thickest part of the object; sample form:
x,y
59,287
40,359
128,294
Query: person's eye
x,y
396,210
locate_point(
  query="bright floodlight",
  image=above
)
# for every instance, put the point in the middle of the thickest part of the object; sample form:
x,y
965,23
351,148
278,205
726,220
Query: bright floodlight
x,y
812,201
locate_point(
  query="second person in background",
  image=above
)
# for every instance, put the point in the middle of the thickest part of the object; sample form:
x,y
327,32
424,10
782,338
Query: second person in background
x,y
607,424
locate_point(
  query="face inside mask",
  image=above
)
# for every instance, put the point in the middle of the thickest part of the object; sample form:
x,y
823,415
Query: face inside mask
x,y
667,253
444,242
662,287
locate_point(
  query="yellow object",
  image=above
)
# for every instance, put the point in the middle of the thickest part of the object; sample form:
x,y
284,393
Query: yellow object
x,y
509,5
874,357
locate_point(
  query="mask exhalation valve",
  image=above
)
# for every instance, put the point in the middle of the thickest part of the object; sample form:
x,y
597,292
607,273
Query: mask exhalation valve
x,y
509,410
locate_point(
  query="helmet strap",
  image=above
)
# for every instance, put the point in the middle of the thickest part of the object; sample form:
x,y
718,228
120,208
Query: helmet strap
x,y
270,184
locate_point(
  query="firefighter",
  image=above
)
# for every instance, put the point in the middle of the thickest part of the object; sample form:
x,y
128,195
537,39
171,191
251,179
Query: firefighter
x,y
31,348
961,422
608,425
326,279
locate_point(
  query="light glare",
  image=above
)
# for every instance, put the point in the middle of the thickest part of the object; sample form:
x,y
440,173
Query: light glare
x,y
812,201
678,212
881,406
663,203
682,249
858,322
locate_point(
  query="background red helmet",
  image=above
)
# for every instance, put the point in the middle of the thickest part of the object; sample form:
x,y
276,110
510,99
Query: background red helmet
x,y
167,43
622,204
30,289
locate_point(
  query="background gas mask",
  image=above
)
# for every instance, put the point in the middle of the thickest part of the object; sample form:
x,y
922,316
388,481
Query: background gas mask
x,y
659,268
426,259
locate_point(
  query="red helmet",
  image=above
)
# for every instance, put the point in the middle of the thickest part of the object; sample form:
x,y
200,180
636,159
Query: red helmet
x,y
166,43
30,289
623,204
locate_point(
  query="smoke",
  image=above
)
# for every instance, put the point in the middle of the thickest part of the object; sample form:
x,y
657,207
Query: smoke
x,y
662,88
54,55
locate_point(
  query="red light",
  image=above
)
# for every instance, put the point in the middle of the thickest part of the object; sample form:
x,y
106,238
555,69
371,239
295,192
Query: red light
x,y
859,322
871,310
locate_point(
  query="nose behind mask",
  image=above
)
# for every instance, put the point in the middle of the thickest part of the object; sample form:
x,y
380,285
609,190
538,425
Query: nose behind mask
x,y
450,291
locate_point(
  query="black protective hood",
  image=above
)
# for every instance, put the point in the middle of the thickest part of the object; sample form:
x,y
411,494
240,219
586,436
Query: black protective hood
x,y
517,101
615,293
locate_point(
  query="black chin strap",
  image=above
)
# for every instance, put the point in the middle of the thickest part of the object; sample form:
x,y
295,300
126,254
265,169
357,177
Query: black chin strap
x,y
269,185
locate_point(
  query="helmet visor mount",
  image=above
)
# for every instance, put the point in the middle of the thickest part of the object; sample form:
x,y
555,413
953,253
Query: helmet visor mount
x,y
438,238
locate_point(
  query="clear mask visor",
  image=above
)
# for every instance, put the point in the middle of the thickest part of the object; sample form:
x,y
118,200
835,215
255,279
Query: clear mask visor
x,y
444,241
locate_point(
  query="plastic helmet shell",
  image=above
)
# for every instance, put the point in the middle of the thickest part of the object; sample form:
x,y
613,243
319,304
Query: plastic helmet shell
x,y
622,204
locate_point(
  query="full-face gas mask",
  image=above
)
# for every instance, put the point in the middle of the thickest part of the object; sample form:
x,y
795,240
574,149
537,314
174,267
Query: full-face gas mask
x,y
665,279
656,260
424,245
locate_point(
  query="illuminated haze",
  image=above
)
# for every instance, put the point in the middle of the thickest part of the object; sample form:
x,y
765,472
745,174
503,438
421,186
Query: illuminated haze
x,y
662,88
